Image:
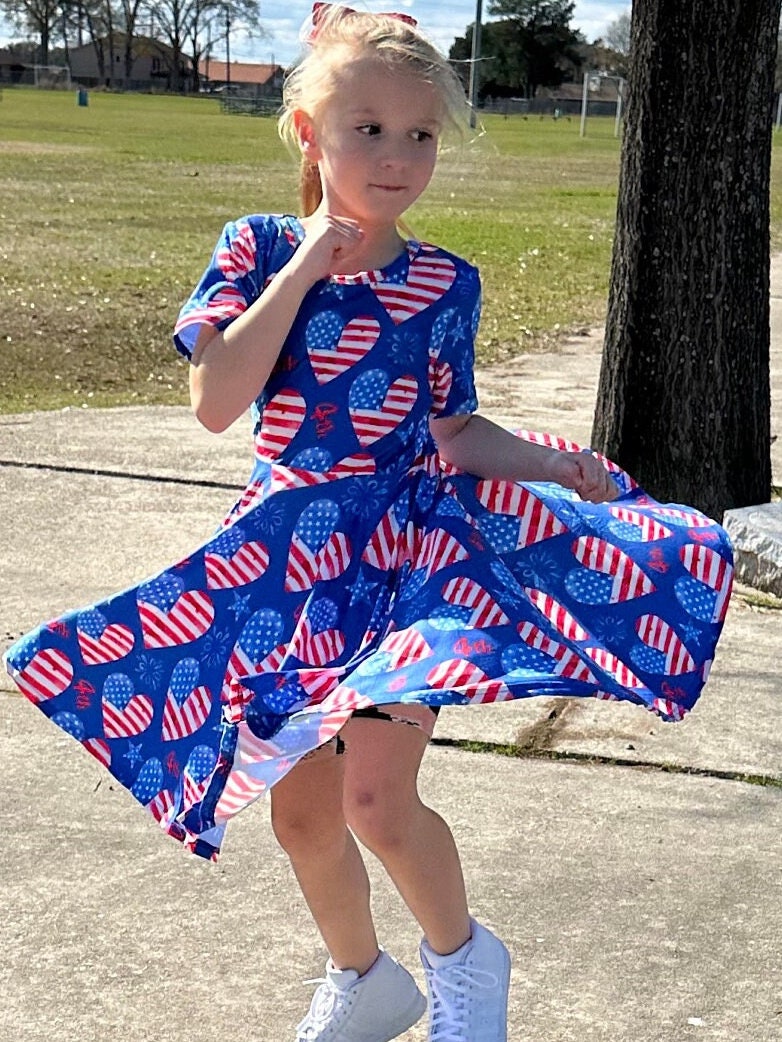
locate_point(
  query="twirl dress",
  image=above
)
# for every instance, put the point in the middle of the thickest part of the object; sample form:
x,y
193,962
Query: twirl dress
x,y
357,570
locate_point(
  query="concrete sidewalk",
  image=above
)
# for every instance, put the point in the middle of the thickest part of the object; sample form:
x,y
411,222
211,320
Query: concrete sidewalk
x,y
633,868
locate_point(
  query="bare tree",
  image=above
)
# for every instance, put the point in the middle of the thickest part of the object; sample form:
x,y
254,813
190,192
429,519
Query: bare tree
x,y
684,399
40,18
617,35
131,10
182,24
99,20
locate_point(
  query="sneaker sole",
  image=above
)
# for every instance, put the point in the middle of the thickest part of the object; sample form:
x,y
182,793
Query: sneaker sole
x,y
506,982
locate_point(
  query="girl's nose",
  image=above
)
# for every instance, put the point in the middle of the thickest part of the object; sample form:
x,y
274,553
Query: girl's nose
x,y
393,156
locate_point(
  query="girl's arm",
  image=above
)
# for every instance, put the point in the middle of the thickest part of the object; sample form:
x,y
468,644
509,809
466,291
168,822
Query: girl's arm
x,y
478,446
230,368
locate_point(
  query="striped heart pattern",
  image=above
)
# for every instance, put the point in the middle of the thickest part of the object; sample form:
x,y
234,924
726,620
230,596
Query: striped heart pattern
x,y
188,701
636,527
238,258
100,641
608,575
480,608
679,517
282,420
704,592
378,406
440,549
387,546
560,618
231,561
197,774
515,510
661,649
125,711
429,278
405,647
170,615
318,640
41,673
440,383
318,550
567,662
148,788
617,669
306,471
258,649
463,677
333,348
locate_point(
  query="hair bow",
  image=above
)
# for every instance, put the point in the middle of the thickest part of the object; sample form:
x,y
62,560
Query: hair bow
x,y
319,10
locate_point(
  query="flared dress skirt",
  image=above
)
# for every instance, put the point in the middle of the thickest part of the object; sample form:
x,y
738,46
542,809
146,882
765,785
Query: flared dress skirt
x,y
357,570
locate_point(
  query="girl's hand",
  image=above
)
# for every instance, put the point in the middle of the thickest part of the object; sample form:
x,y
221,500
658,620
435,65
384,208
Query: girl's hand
x,y
328,244
585,474
478,446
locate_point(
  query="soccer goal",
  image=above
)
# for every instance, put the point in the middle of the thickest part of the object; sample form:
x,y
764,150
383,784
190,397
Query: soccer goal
x,y
52,77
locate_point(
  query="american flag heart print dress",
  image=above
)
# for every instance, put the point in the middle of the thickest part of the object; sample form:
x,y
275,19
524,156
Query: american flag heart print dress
x,y
355,570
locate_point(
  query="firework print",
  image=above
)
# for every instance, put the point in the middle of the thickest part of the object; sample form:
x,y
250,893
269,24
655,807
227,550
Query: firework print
x,y
355,570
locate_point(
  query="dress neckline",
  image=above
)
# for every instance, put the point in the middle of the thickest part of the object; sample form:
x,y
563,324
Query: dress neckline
x,y
375,275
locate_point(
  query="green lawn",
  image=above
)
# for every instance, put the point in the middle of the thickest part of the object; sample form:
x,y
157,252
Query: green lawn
x,y
109,213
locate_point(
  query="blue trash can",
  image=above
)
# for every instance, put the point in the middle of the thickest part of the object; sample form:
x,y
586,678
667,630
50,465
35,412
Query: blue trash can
x,y
84,98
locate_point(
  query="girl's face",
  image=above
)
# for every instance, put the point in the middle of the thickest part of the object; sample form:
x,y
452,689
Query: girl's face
x,y
374,140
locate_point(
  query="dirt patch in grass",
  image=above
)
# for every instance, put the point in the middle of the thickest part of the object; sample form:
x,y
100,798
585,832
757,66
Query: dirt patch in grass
x,y
41,148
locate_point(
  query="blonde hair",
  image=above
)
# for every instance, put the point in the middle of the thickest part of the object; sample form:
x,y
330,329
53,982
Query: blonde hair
x,y
339,32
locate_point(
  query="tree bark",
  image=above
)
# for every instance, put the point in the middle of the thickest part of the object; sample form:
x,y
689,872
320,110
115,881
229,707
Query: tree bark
x,y
684,396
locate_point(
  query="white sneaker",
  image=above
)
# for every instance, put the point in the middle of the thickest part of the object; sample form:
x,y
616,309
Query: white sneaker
x,y
377,1007
468,992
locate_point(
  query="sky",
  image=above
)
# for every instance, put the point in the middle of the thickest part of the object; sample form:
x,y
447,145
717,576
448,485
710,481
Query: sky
x,y
441,21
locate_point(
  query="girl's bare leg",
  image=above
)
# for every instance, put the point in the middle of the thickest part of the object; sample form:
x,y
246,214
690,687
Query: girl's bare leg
x,y
310,826
383,808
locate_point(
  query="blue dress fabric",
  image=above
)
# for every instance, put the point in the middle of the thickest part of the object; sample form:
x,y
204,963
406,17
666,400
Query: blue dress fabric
x,y
357,570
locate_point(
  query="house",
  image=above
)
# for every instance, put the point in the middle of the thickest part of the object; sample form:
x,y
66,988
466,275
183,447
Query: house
x,y
13,70
151,65
602,96
245,78
566,99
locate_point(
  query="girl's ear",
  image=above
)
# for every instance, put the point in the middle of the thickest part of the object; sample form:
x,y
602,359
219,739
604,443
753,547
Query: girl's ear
x,y
305,132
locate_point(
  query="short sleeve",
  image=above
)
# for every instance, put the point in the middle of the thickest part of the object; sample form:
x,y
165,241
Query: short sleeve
x,y
246,255
452,353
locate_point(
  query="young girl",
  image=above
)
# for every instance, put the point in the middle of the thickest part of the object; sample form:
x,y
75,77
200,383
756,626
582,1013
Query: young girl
x,y
383,560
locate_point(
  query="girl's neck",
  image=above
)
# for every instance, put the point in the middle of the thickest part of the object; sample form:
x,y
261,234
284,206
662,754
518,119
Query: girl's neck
x,y
381,246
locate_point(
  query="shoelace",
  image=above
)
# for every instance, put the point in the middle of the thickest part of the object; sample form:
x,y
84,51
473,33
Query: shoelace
x,y
449,1009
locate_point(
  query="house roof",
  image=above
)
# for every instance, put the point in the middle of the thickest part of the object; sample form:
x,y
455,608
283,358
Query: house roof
x,y
605,89
241,72
142,46
7,58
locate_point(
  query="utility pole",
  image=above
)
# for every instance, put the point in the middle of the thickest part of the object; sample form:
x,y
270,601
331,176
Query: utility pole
x,y
227,50
475,57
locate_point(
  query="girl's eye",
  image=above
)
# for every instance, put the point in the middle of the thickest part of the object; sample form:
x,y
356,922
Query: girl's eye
x,y
369,128
421,135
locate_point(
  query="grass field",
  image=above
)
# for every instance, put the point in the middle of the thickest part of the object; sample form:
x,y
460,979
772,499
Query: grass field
x,y
110,212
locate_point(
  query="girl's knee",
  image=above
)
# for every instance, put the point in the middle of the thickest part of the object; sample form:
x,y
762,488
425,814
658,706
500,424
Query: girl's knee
x,y
308,831
306,808
380,818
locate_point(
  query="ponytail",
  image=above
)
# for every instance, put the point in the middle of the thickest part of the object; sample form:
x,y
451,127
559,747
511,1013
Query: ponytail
x,y
310,187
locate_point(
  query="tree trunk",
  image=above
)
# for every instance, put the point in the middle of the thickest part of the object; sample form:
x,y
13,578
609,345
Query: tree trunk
x,y
684,396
